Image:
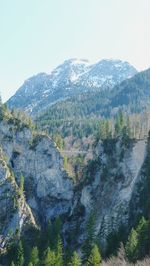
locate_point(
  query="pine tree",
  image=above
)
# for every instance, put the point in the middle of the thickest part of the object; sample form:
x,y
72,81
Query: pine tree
x,y
56,232
95,257
131,245
59,253
90,240
120,123
49,258
30,264
20,255
143,230
34,258
75,260
12,263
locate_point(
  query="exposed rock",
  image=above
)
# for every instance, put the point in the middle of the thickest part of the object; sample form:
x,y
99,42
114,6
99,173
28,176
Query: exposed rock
x,y
71,78
49,192
15,214
111,188
38,160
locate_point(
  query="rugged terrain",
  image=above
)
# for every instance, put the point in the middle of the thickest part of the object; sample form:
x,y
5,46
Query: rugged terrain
x,y
71,78
85,162
49,192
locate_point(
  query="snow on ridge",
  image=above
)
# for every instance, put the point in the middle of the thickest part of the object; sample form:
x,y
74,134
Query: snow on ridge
x,y
73,72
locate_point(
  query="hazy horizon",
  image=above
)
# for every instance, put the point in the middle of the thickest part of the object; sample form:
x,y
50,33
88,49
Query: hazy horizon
x,y
37,36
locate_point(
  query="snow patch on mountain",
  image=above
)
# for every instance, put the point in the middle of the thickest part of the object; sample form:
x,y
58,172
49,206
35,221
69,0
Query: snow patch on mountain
x,y
73,77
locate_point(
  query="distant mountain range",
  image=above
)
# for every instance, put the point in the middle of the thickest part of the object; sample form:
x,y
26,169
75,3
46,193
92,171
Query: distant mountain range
x,y
131,95
72,78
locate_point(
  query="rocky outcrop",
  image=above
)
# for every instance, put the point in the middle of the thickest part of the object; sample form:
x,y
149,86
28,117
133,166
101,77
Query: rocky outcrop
x,y
112,184
108,189
15,214
48,189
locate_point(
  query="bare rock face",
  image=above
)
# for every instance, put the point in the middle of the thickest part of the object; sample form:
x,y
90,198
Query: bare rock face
x,y
48,189
15,214
112,185
49,192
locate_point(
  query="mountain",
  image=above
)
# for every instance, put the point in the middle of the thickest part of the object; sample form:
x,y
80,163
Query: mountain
x,y
107,73
71,78
133,95
114,189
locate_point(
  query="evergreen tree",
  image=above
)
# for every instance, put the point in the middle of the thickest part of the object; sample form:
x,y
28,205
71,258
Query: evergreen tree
x,y
120,123
20,255
12,263
34,257
90,240
95,257
131,245
57,231
49,258
30,264
143,230
75,260
59,253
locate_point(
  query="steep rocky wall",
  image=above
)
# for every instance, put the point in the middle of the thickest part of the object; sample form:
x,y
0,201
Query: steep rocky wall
x,y
112,184
48,189
108,190
15,214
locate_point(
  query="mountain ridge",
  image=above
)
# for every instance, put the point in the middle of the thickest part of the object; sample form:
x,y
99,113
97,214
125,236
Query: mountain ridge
x,y
68,79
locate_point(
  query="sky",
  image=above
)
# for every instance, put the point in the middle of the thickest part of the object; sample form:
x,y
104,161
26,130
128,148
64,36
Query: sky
x,y
38,35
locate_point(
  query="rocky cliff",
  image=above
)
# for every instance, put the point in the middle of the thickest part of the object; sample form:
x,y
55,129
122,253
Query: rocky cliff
x,y
15,214
47,188
113,180
107,189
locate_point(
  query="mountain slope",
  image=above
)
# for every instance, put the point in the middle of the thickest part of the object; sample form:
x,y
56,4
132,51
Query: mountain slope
x,y
47,189
112,188
132,94
71,78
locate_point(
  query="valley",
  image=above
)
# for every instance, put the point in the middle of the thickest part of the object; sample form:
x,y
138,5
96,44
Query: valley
x,y
74,167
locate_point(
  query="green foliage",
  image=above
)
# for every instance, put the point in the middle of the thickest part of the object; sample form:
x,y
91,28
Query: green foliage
x,y
131,246
4,112
91,238
34,257
114,239
59,141
95,257
59,253
104,130
68,167
20,255
75,260
144,187
30,264
49,258
138,244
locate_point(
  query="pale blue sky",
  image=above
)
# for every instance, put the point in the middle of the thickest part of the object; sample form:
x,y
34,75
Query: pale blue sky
x,y
37,35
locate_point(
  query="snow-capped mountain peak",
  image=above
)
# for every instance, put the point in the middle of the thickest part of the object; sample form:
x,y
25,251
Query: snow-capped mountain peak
x,y
69,71
73,77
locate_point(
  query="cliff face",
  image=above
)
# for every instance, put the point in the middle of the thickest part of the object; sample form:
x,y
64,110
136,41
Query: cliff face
x,y
48,189
108,191
112,185
15,214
